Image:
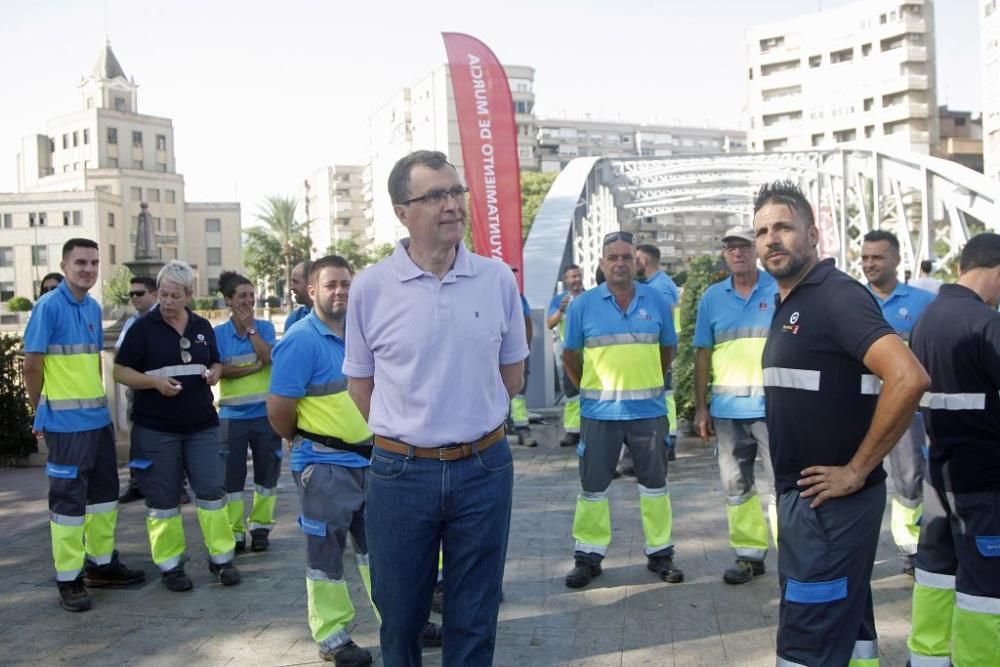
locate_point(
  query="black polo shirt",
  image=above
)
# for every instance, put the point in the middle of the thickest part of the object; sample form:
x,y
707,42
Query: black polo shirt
x,y
957,339
153,345
819,395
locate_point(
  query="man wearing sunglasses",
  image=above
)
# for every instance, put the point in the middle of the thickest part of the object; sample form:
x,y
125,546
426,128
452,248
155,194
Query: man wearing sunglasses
x,y
435,351
619,343
142,294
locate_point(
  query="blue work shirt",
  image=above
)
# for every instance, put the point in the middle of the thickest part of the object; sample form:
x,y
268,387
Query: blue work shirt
x,y
231,344
59,319
296,315
724,315
310,354
903,307
594,314
666,286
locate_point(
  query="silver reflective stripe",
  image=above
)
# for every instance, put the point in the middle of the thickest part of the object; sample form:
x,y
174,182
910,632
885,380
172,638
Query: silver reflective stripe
x,y
66,520
223,558
593,496
170,563
621,394
254,525
622,339
917,660
83,348
865,650
945,582
210,505
163,514
74,403
781,662
362,560
175,371
236,497
334,641
241,360
735,501
326,389
742,332
67,575
245,399
320,575
102,559
649,551
791,378
590,548
100,508
978,604
737,390
645,492
750,554
264,491
871,385
942,401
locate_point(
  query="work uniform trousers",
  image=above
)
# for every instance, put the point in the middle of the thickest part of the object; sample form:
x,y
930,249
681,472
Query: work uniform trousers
x,y
333,507
906,468
571,409
161,461
825,560
600,445
956,596
740,442
83,499
518,417
265,446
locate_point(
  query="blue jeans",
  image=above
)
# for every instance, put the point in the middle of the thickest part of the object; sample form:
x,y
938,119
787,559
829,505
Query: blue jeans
x,y
416,506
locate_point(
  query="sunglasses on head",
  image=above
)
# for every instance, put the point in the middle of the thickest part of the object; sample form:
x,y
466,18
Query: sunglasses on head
x,y
627,237
185,346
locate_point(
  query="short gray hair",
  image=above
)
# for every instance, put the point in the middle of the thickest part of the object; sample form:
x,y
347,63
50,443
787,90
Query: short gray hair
x,y
178,272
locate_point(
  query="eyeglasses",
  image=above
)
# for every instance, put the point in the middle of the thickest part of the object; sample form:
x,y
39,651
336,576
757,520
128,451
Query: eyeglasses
x,y
438,196
741,247
137,293
185,346
619,236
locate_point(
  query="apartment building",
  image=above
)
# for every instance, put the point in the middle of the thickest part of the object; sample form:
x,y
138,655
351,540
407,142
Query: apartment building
x,y
332,200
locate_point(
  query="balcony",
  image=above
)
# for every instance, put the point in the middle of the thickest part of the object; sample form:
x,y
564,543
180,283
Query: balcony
x,y
784,104
903,110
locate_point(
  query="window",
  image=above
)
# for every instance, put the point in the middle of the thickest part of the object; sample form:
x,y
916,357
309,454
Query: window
x,y
6,291
171,226
32,220
76,136
86,136
52,145
39,255
168,196
161,142
67,216
76,166
161,166
111,219
138,165
137,139
8,221
815,61
111,254
866,50
112,135
7,256
135,193
90,102
120,104
65,141
156,224
213,285
213,225
152,195
77,218
113,162
214,256
344,222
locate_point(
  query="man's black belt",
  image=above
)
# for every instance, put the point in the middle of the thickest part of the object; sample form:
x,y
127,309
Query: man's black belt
x,y
336,443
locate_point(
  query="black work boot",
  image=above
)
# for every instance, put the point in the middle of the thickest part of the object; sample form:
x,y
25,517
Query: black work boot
x,y
664,568
437,600
582,574
743,571
132,493
176,580
113,574
226,572
259,539
570,440
73,596
430,636
348,655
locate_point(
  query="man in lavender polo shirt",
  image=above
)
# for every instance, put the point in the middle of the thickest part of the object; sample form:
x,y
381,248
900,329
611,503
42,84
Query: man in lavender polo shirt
x,y
435,350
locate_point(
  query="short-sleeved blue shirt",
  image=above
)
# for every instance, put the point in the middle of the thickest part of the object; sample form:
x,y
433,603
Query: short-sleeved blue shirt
x,y
903,307
666,286
310,354
232,345
59,319
296,315
723,311
525,308
595,313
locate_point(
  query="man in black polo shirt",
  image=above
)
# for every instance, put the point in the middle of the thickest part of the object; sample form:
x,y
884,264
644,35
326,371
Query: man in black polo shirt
x,y
956,596
826,352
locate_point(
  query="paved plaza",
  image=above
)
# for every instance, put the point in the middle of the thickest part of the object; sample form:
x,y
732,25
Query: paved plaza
x,y
625,617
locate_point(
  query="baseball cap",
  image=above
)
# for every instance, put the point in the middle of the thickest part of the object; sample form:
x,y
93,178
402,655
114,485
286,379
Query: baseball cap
x,y
739,234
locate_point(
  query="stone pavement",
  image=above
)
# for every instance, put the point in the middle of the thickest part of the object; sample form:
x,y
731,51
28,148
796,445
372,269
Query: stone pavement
x,y
625,617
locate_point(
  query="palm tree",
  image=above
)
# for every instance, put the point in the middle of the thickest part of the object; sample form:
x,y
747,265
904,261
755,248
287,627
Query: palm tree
x,y
278,215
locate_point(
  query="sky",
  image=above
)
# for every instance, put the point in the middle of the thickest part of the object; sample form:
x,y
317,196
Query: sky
x,y
261,94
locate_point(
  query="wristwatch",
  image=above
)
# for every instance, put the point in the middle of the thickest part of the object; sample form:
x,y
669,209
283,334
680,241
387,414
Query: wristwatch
x,y
251,331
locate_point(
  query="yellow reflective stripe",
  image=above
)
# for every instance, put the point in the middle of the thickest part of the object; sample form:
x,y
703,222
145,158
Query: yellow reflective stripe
x,y
177,371
241,360
74,403
621,339
742,332
622,368
791,378
72,376
81,348
944,401
334,415
247,389
737,363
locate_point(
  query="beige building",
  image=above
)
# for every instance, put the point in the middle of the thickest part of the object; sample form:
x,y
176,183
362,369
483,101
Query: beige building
x,y
990,18
333,202
87,176
961,138
865,71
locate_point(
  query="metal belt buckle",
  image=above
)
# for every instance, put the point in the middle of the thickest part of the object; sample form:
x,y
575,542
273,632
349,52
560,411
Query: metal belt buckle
x,y
442,452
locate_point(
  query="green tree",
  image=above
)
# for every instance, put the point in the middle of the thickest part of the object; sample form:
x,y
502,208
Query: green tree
x,y
117,287
277,214
262,256
701,274
380,252
19,304
15,417
534,186
349,250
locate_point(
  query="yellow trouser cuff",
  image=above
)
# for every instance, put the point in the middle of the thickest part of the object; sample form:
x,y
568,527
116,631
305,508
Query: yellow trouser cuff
x,y
262,512
99,531
905,531
67,549
330,608
571,415
657,521
933,609
217,533
747,529
592,523
975,638
166,540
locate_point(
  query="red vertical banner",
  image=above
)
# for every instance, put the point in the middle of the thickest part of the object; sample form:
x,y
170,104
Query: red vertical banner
x,y
489,148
